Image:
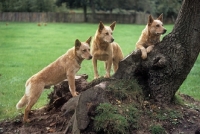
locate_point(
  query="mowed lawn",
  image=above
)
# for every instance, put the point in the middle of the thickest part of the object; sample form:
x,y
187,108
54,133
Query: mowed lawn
x,y
26,48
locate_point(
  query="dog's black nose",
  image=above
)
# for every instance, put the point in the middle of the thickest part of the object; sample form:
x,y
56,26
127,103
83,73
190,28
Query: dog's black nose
x,y
90,57
165,30
112,40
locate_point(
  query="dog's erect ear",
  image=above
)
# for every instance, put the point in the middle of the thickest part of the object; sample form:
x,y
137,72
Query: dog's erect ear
x,y
77,44
89,40
101,26
112,26
160,18
150,20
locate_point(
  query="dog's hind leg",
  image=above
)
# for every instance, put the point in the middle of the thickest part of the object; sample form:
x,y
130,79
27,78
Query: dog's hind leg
x,y
117,57
94,61
33,93
105,65
115,64
108,65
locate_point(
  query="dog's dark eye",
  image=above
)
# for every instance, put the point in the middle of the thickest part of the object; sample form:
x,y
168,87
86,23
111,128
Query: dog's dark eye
x,y
106,33
84,50
157,25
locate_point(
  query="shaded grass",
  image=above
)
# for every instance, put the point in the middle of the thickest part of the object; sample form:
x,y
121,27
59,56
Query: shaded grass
x,y
26,48
191,85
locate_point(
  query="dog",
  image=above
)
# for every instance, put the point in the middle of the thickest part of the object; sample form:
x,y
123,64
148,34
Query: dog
x,y
104,49
150,35
65,67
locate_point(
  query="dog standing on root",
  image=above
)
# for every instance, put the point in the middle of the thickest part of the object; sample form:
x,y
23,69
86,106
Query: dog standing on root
x,y
150,35
104,49
65,67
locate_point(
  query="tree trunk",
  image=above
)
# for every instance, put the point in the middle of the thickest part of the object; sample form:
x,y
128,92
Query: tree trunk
x,y
85,12
93,10
168,65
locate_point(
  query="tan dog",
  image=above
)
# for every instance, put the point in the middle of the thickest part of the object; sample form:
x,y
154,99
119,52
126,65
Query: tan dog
x,y
66,66
104,49
150,35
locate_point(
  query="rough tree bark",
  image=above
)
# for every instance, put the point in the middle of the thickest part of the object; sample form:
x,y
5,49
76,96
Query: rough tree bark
x,y
171,60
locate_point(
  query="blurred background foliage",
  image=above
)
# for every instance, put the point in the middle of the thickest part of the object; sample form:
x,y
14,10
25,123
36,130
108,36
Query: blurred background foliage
x,y
169,8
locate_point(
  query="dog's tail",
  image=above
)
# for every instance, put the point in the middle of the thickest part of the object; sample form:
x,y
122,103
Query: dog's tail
x,y
22,102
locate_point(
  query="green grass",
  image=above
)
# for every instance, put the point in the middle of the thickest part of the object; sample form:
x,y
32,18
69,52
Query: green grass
x,y
26,48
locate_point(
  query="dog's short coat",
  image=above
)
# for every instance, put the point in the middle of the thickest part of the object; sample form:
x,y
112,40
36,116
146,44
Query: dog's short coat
x,y
65,67
150,35
104,49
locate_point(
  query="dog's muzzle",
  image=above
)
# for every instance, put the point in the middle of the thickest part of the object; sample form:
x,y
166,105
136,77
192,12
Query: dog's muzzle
x,y
90,57
164,31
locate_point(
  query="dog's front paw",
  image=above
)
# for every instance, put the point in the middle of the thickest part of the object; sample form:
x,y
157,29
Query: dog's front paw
x,y
150,48
75,94
26,120
144,56
96,77
107,76
144,53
